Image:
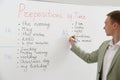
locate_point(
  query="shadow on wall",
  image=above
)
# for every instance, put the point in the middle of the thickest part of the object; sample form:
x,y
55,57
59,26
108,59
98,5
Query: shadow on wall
x,y
61,50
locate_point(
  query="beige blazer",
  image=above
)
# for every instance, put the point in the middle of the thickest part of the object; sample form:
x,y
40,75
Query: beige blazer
x,y
98,56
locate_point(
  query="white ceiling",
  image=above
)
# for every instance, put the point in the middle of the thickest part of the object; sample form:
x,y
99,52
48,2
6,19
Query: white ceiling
x,y
88,2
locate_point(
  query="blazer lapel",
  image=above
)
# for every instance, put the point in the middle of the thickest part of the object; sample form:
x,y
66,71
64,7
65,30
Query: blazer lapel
x,y
103,50
114,59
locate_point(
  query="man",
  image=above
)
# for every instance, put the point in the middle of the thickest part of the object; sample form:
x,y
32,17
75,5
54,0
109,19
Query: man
x,y
108,54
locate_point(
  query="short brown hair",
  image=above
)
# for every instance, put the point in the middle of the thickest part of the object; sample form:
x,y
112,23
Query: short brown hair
x,y
115,16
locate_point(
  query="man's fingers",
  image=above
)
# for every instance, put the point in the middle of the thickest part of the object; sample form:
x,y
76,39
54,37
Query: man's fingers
x,y
73,36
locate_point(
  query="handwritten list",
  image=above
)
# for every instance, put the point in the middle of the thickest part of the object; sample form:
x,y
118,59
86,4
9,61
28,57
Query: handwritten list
x,y
33,46
78,28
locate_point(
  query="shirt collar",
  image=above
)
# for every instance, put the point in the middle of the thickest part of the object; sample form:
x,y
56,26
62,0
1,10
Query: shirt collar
x,y
117,44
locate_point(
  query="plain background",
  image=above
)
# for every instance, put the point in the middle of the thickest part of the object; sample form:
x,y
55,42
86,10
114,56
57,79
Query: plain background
x,y
88,2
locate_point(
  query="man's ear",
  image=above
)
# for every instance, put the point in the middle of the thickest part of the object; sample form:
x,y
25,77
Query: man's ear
x,y
116,25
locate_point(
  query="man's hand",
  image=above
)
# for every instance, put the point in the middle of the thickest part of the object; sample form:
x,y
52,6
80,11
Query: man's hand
x,y
71,40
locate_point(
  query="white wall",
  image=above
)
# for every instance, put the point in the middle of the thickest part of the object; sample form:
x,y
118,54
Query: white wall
x,y
88,2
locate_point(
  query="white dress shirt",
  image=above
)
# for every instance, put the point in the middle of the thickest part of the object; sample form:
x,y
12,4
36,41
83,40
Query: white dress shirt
x,y
109,55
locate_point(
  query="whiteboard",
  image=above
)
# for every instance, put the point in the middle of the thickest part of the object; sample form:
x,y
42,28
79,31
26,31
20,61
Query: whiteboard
x,y
34,39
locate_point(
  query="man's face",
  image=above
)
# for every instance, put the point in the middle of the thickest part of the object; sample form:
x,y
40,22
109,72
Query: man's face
x,y
109,27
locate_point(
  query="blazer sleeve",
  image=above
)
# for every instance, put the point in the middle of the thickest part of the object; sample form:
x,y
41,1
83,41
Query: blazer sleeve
x,y
87,57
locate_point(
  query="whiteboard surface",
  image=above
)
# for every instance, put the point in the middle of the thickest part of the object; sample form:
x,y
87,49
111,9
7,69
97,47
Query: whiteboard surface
x,y
34,39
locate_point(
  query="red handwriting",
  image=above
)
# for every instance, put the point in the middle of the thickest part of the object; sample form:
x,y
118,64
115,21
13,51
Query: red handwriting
x,y
24,12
